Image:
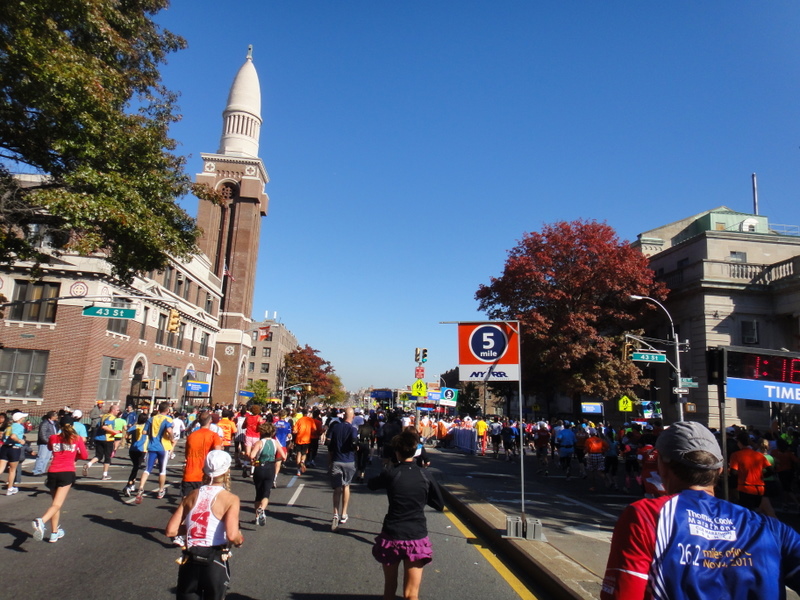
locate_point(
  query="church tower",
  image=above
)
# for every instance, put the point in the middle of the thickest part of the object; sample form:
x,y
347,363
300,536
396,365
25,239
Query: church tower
x,y
231,230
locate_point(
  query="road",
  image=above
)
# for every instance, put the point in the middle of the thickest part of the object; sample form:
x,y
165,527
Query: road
x,y
112,549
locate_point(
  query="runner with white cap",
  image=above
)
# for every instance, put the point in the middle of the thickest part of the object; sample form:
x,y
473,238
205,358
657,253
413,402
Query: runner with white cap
x,y
208,518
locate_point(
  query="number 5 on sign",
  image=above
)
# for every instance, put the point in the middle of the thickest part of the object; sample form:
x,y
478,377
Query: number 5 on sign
x,y
625,404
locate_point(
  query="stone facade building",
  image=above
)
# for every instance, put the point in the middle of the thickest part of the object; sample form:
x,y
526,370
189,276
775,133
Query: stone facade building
x,y
271,342
734,280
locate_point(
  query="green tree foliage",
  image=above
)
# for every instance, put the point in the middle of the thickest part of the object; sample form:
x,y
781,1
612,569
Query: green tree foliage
x,y
569,285
338,395
82,104
261,392
469,400
304,365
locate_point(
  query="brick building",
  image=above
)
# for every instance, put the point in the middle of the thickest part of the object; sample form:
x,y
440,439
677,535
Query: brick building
x,y
54,354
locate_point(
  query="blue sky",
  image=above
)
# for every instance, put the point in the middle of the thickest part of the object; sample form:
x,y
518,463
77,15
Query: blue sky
x,y
411,144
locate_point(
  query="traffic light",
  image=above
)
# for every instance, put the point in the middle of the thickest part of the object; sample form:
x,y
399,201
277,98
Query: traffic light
x,y
424,355
174,321
627,350
417,352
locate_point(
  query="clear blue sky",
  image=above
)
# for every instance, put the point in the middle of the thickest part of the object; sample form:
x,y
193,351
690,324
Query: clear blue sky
x,y
410,144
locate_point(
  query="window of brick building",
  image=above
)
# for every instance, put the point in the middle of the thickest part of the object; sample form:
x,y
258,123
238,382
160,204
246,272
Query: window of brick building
x,y
34,304
204,338
119,325
22,372
110,378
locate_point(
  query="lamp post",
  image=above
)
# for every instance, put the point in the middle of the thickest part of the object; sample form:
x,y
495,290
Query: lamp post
x,y
677,345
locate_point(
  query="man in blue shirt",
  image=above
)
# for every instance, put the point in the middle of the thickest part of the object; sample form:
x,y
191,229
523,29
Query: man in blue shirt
x,y
343,441
689,545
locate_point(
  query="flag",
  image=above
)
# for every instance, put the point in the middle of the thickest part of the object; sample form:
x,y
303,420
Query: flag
x,y
226,272
263,333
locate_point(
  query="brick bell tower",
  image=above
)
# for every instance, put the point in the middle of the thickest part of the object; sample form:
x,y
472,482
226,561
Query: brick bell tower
x,y
231,231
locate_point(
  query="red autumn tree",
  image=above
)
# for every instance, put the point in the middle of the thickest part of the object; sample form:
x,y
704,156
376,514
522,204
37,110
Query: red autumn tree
x,y
304,365
569,286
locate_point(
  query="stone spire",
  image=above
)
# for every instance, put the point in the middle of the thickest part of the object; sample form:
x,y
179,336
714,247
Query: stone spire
x,y
242,116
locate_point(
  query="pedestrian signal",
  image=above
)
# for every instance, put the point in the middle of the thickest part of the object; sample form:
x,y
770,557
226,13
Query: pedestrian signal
x,y
417,352
424,355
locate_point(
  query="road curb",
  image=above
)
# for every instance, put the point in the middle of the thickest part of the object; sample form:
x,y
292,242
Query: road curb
x,y
554,571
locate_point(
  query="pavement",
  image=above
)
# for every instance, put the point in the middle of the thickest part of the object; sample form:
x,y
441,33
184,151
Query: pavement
x,y
572,525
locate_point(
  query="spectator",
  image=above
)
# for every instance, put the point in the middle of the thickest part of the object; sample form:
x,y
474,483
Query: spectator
x,y
47,428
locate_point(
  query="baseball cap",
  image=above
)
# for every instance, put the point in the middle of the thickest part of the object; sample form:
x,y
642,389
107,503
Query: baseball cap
x,y
18,416
688,436
66,420
218,463
77,413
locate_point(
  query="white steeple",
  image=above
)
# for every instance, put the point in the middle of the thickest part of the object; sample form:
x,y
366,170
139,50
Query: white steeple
x,y
241,120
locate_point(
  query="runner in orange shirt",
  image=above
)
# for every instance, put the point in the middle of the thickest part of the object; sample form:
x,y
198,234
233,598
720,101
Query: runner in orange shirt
x,y
748,465
595,456
304,429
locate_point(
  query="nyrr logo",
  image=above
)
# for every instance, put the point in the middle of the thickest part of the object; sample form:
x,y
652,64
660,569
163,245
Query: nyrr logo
x,y
492,374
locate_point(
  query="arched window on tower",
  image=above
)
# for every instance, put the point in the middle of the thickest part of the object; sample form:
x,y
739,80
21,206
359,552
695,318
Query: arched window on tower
x,y
229,191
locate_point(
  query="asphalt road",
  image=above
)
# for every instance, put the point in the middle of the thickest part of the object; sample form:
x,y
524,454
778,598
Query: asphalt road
x,y
115,550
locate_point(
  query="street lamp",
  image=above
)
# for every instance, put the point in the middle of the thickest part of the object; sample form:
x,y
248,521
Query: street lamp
x,y
677,345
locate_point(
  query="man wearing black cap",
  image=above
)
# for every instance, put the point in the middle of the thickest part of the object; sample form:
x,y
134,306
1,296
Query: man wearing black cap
x,y
691,545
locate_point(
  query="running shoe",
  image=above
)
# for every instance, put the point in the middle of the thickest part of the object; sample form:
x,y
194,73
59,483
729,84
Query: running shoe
x,y
139,498
311,463
38,530
178,540
335,523
343,520
128,491
302,467
11,491
106,477
56,535
261,517
162,492
86,470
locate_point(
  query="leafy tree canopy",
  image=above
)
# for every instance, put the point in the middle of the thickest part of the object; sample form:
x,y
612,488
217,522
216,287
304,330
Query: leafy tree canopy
x,y
304,365
569,285
82,106
261,392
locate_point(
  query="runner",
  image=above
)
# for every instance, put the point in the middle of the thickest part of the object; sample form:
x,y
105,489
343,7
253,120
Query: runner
x,y
596,448
691,545
66,447
404,534
283,433
158,431
137,442
565,441
263,455
342,446
208,518
304,429
252,421
103,436
495,432
482,429
541,441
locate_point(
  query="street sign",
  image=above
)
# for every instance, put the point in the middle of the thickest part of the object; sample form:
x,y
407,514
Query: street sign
x,y
109,312
592,408
680,390
625,404
419,373
689,382
419,388
449,397
488,351
198,386
649,357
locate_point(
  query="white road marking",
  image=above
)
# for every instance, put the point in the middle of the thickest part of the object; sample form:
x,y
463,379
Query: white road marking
x,y
295,495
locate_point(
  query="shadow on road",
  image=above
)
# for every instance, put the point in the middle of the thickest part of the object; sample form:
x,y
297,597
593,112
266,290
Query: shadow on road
x,y
150,533
19,536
